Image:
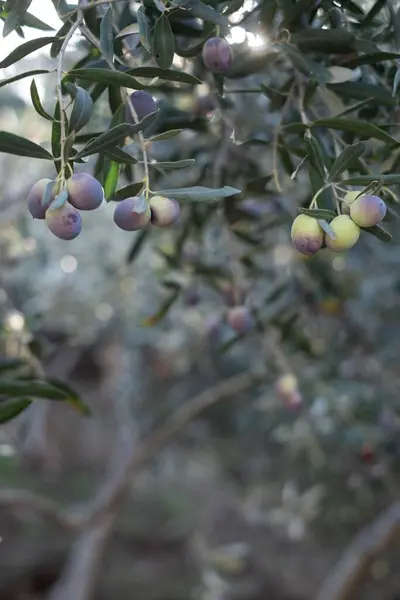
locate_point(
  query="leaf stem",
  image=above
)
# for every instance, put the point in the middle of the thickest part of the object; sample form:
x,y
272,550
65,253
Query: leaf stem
x,y
63,136
93,40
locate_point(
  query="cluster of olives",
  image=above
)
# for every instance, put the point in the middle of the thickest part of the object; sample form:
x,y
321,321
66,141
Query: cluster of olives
x,y
359,211
86,193
217,55
136,213
65,222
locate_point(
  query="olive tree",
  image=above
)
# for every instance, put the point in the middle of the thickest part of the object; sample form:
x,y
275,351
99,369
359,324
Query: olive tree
x,y
304,107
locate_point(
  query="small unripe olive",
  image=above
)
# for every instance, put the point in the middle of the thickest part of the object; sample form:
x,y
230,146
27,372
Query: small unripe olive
x,y
65,222
132,214
368,210
217,55
164,211
348,199
350,196
84,191
287,387
307,236
346,234
34,200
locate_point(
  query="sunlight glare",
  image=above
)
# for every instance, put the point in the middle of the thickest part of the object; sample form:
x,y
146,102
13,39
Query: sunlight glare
x,y
238,35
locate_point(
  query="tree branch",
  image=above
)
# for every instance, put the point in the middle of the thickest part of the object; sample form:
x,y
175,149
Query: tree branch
x,y
135,459
79,574
354,565
16,500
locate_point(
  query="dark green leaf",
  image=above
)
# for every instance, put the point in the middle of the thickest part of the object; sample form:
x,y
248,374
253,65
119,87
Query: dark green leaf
x,y
37,103
379,232
361,128
114,136
70,395
370,59
361,91
318,213
120,156
19,146
11,364
174,166
285,159
377,7
111,181
61,7
16,10
137,245
396,82
128,191
25,49
144,28
317,182
163,42
199,194
22,76
56,138
305,65
346,158
57,44
163,310
82,110
17,387
338,41
207,13
11,409
108,77
166,75
114,98
315,153
166,135
367,179
106,35
29,20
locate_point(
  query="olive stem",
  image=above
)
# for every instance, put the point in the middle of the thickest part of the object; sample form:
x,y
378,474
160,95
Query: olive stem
x,y
65,43
93,40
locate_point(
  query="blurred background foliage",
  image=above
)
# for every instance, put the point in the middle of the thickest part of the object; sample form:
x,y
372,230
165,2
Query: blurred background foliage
x,y
260,494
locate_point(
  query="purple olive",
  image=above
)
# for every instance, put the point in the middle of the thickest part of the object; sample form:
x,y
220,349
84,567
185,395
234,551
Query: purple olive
x,y
191,296
132,214
143,103
84,191
34,200
217,55
367,211
240,319
164,211
65,222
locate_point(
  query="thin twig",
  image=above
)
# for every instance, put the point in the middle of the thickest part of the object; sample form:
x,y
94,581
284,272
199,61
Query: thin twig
x,y
16,500
136,458
131,459
66,41
355,563
275,141
88,34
